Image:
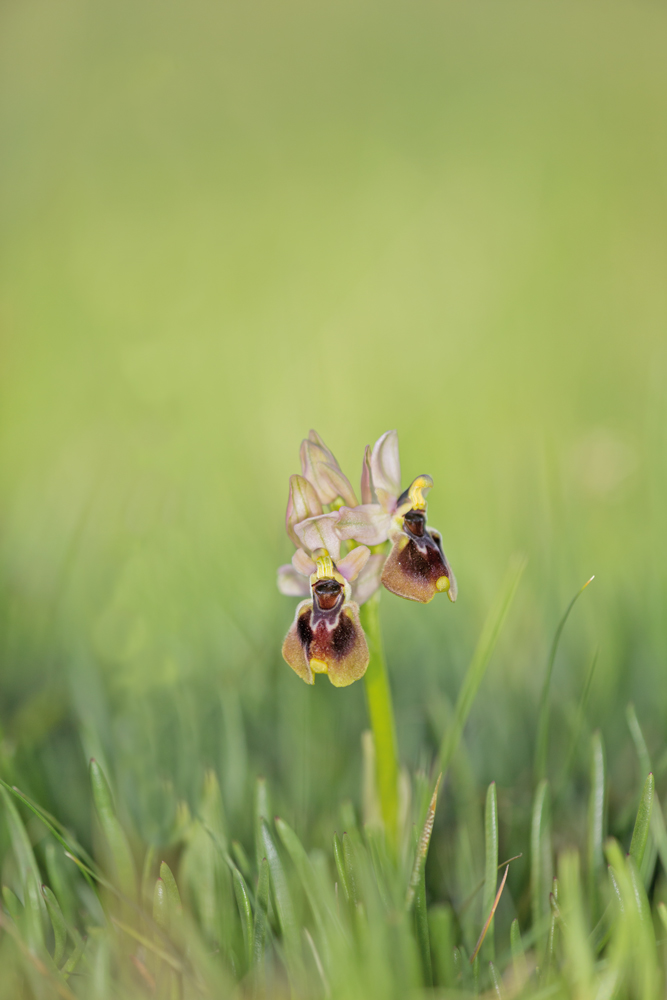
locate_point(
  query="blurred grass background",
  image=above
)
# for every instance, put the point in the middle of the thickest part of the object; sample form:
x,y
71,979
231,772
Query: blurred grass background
x,y
226,223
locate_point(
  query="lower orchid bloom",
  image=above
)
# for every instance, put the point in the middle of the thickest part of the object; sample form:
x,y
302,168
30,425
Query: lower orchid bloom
x,y
326,636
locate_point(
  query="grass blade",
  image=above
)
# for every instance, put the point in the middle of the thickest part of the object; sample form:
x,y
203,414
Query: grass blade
x,y
416,892
541,868
422,847
161,905
596,821
486,926
658,830
579,960
113,831
348,861
496,982
542,741
480,660
243,903
283,899
441,934
340,868
643,822
305,871
58,924
261,914
491,866
174,896
519,964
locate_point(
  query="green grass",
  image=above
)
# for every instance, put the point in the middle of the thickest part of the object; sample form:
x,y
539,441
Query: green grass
x,y
223,224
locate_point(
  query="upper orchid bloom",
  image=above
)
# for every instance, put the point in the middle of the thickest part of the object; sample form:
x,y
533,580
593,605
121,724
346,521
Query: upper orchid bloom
x,y
326,636
416,567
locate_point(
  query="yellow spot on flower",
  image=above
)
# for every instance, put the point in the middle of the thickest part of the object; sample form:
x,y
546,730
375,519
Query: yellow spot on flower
x,y
442,584
319,667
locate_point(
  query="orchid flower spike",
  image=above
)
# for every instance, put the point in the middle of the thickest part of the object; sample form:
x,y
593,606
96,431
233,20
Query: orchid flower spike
x,y
322,517
326,636
416,567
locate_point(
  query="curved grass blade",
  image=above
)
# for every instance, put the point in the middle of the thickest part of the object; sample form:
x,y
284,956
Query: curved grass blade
x,y
261,913
113,831
340,867
642,822
480,660
318,962
245,912
422,847
262,812
542,741
58,924
161,905
658,831
496,982
55,828
174,896
305,871
416,894
72,962
13,903
348,860
48,975
283,899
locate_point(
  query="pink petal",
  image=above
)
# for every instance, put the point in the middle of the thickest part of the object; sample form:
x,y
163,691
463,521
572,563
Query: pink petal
x,y
321,469
320,533
302,502
368,524
386,467
353,563
302,563
369,579
366,480
291,583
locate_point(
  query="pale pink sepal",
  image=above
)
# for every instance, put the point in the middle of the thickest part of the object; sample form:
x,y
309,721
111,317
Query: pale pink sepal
x,y
302,502
369,579
351,565
368,524
291,583
320,468
386,469
366,478
302,563
320,533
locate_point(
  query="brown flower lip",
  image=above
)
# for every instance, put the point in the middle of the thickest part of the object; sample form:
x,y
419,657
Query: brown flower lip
x,y
417,568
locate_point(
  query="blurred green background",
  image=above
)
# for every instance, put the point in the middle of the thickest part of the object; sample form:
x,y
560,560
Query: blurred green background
x,y
226,223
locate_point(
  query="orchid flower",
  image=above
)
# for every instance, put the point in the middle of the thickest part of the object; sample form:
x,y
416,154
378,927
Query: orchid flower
x,y
326,636
416,567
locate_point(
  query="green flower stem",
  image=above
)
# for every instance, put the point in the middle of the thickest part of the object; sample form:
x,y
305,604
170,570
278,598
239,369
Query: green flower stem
x,y
381,712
